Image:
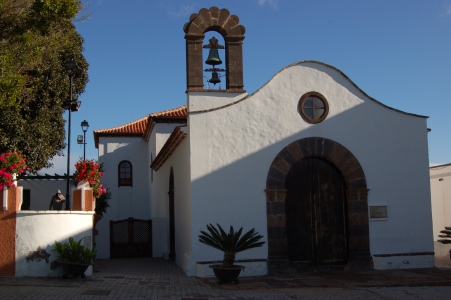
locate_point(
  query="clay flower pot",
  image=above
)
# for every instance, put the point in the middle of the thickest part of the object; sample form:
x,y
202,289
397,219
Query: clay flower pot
x,y
230,244
73,270
226,275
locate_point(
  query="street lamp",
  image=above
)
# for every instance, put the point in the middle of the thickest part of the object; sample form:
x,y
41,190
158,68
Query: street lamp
x,y
71,66
84,127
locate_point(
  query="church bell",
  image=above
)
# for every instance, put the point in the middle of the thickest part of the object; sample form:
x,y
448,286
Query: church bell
x,y
213,57
213,60
215,78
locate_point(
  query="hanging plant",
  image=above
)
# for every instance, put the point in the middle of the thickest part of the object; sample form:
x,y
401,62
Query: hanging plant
x,y
90,172
10,163
102,203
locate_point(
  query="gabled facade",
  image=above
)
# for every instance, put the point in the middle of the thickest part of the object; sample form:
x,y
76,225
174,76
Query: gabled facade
x,y
327,174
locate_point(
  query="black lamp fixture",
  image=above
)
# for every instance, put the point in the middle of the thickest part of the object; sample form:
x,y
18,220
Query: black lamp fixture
x,y
214,60
84,127
71,66
75,106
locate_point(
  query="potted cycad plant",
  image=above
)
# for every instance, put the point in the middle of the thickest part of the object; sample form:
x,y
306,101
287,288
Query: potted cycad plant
x,y
74,258
230,243
445,237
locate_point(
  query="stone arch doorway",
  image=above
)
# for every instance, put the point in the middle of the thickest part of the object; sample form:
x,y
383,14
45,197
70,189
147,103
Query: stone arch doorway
x,y
171,217
355,205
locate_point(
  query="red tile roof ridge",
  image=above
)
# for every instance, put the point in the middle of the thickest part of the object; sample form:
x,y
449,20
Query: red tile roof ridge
x,y
179,112
143,125
140,127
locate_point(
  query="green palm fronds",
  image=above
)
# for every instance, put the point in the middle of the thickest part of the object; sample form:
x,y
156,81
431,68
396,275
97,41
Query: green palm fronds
x,y
446,235
230,243
74,252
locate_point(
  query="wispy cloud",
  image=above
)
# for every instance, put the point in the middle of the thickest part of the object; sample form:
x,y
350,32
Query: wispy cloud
x,y
271,3
180,10
447,10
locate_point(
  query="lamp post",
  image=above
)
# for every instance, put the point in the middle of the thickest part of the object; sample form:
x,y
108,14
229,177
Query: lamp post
x,y
71,66
84,127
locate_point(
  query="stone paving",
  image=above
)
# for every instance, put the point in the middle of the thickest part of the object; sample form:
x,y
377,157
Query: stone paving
x,y
154,278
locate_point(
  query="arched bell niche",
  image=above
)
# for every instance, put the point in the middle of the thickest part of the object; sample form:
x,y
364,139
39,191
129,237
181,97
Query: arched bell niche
x,y
214,61
227,25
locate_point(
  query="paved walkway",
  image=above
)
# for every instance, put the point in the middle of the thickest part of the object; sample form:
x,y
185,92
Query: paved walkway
x,y
153,278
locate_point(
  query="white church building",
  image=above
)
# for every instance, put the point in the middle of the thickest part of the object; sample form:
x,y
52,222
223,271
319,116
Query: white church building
x,y
328,175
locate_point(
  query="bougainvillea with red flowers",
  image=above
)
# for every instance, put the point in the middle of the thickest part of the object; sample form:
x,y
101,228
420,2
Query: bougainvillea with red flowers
x,y
10,163
90,172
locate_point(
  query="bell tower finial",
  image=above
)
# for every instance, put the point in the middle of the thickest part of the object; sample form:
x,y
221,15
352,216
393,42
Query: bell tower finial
x,y
228,27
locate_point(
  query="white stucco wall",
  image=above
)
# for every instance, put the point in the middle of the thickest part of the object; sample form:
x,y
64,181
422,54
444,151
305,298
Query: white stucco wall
x,y
126,201
179,162
157,139
36,230
42,191
441,204
232,149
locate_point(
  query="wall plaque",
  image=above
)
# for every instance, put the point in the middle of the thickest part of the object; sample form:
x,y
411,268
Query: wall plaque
x,y
378,212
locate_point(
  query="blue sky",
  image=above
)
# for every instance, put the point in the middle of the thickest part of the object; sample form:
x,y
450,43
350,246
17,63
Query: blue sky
x,y
398,52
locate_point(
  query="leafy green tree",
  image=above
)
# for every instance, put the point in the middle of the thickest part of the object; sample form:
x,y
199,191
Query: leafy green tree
x,y
36,37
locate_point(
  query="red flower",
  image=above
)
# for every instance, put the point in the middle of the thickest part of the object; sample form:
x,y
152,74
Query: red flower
x,y
89,171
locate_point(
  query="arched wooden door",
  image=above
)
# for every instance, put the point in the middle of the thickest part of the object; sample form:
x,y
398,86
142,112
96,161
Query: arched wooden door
x,y
316,213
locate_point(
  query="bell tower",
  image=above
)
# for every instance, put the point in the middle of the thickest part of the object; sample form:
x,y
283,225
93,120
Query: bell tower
x,y
220,21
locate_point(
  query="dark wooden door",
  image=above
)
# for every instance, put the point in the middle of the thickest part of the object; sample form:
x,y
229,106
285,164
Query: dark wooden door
x,y
316,213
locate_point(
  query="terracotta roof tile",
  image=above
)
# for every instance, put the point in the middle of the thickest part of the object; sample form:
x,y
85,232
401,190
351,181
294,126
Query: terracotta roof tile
x,y
175,115
179,112
138,126
142,126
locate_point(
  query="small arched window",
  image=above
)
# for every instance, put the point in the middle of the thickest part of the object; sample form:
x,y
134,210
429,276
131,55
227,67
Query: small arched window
x,y
125,173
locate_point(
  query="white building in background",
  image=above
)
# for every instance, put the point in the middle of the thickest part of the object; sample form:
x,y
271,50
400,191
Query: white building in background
x,y
441,204
127,152
327,174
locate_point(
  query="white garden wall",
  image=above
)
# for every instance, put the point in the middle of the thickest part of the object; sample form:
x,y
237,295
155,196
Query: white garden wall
x,y
36,233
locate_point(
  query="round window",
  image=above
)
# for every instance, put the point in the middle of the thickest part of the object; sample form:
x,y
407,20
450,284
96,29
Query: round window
x,y
313,107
